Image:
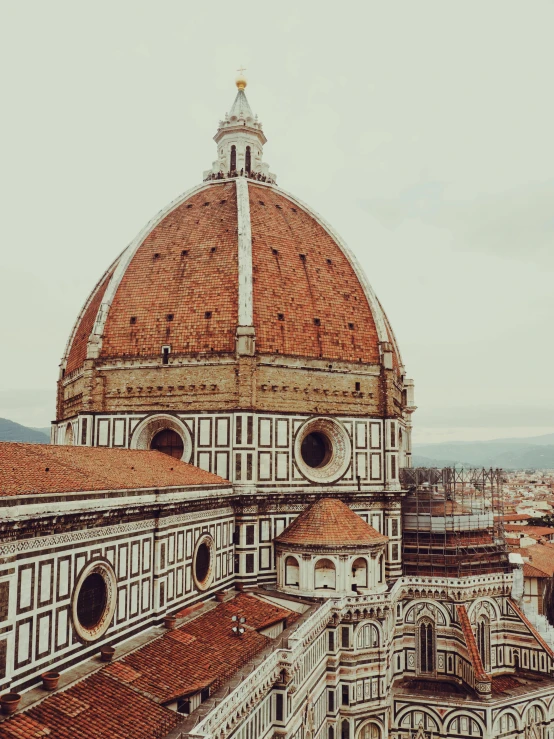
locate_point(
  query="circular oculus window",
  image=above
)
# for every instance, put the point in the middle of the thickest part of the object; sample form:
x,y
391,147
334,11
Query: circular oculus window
x,y
322,450
94,600
163,433
203,562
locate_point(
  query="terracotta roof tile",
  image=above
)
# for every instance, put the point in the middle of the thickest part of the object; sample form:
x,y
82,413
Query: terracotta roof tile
x,y
203,652
78,350
540,556
325,312
98,707
40,468
173,272
530,571
330,522
471,644
320,285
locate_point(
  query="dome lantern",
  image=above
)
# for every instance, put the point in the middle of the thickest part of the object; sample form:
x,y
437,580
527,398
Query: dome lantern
x,y
240,140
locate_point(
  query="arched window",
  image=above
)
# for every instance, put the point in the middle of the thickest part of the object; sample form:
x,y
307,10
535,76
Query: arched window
x,y
367,636
464,726
426,646
68,440
292,571
233,157
248,160
359,573
533,722
345,729
370,731
505,724
331,733
325,575
483,641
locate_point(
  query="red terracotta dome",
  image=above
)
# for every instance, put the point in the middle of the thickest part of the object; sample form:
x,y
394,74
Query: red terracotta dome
x,y
330,522
231,253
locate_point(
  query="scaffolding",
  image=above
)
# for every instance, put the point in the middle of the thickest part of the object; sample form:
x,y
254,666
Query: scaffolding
x,y
453,522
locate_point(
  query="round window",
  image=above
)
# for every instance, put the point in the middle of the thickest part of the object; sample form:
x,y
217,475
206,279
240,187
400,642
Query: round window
x,y
316,449
91,601
165,433
168,442
94,600
203,561
322,450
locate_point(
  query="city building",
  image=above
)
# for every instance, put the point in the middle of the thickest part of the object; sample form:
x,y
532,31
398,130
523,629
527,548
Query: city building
x,y
228,514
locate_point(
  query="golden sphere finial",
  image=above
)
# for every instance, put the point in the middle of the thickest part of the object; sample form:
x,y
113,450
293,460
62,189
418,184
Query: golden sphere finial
x,y
241,79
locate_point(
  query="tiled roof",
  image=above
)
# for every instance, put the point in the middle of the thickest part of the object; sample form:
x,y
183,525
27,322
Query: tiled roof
x,y
122,701
184,285
532,531
530,571
320,285
78,349
471,644
307,298
540,556
329,522
98,707
204,652
40,468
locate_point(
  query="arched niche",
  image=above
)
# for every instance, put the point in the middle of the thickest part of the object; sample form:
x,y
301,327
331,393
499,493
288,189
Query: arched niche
x,y
360,572
292,572
325,575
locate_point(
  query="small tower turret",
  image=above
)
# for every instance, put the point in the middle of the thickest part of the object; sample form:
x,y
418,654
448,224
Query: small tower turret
x,y
240,140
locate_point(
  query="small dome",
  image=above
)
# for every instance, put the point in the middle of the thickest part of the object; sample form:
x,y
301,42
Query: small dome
x,y
330,523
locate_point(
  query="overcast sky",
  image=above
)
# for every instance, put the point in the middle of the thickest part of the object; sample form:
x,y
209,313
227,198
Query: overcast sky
x,y
422,130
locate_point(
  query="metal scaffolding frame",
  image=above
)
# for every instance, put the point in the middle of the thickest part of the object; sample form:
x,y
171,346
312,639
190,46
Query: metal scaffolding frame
x,y
453,522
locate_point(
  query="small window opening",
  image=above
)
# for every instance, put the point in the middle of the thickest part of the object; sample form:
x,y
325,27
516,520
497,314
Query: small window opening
x,y
233,157
157,255
281,316
329,261
261,202
214,248
208,314
317,322
248,160
222,202
170,316
351,326
133,320
278,206
189,205
184,253
302,257
206,203
165,354
293,210
275,251
357,387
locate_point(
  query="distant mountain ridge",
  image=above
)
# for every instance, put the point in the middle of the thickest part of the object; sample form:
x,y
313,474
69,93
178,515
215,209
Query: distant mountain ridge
x,y
12,431
534,452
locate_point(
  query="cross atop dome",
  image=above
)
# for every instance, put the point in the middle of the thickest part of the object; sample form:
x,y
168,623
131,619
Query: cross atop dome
x,y
240,140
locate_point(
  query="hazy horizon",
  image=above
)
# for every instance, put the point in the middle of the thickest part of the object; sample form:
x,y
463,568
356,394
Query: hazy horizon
x,y
421,132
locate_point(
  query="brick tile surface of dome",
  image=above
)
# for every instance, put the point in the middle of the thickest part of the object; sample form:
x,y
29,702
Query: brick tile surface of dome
x,y
307,299
329,522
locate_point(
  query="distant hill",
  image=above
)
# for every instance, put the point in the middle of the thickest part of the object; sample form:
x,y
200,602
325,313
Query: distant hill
x,y
11,431
536,452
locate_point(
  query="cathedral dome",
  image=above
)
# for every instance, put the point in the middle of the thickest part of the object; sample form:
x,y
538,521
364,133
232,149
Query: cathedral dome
x,y
233,253
235,296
